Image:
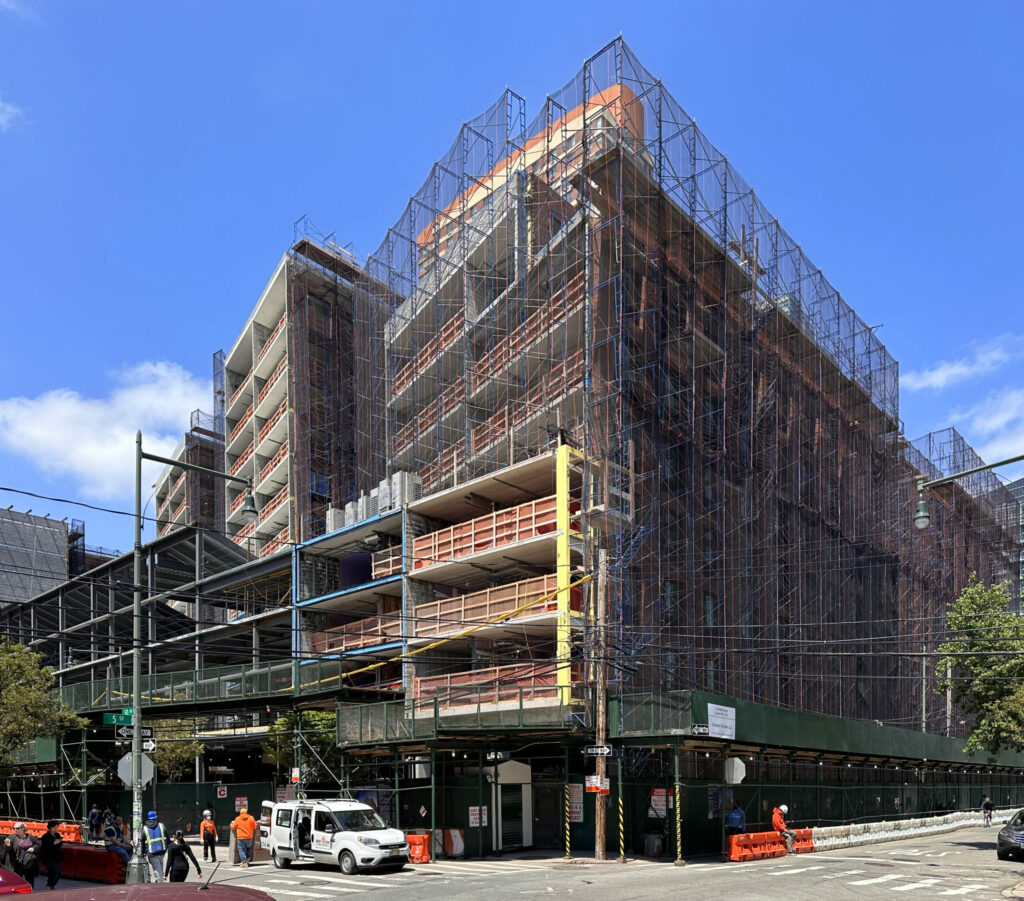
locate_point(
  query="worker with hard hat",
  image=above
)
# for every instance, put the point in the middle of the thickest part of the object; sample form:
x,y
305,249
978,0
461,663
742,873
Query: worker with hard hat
x,y
779,825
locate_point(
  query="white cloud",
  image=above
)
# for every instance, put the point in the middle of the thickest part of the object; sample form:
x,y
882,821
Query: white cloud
x,y
15,8
8,112
987,357
92,440
995,426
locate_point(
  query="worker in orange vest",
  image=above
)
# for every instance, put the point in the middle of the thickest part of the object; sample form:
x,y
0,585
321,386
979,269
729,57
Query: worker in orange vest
x,y
779,825
208,834
244,827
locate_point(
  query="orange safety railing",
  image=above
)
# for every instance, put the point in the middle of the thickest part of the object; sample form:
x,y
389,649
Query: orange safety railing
x,y
239,389
275,544
495,685
442,340
360,634
493,530
274,419
282,452
274,503
242,460
386,562
270,339
246,416
449,614
274,376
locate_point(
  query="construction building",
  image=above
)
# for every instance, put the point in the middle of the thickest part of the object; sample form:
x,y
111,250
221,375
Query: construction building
x,y
183,496
34,552
588,451
288,389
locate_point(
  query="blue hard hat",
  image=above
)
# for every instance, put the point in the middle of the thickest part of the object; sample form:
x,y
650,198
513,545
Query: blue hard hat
x,y
151,815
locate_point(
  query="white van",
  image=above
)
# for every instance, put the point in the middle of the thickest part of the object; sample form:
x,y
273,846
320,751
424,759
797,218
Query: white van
x,y
342,832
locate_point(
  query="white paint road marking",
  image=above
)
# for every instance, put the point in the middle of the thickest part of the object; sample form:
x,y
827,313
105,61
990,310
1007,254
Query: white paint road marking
x,y
877,879
910,886
963,890
844,873
308,893
792,871
345,881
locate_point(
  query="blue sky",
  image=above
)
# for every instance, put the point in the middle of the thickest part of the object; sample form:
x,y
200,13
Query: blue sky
x,y
154,157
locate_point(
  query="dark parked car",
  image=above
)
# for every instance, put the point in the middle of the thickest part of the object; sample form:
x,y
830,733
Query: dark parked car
x,y
1010,841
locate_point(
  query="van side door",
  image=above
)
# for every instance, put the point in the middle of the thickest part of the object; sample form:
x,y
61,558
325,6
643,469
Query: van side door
x,y
266,818
322,845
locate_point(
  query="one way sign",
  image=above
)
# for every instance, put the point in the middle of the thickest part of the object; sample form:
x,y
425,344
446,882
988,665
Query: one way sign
x,y
149,745
126,731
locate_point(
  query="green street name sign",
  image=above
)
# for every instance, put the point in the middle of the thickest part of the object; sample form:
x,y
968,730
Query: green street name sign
x,y
127,711
117,719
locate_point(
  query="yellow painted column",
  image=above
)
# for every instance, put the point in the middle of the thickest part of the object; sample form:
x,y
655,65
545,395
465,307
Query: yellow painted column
x,y
565,455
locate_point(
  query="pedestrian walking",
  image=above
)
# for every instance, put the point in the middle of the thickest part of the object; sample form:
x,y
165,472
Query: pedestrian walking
x,y
95,822
51,853
155,836
22,851
779,825
244,827
208,833
178,856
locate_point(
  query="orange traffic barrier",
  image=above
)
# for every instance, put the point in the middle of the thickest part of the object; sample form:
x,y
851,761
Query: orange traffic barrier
x,y
804,842
419,847
93,863
741,847
70,832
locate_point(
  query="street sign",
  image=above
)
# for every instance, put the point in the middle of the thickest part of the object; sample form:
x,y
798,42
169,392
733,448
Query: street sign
x,y
597,751
498,755
700,729
127,711
124,769
126,731
149,745
117,719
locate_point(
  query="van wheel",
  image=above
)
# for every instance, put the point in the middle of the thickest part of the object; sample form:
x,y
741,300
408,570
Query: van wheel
x,y
347,863
281,862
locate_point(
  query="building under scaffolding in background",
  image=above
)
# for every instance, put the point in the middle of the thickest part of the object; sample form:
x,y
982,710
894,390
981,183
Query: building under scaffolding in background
x,y
587,416
188,498
288,384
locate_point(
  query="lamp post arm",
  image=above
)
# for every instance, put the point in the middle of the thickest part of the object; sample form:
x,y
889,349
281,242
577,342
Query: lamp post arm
x,y
194,468
921,483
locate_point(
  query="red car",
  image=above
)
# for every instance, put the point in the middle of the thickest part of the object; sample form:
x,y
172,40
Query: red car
x,y
13,885
158,891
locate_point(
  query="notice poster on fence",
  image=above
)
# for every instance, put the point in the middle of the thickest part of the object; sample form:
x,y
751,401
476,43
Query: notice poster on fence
x,y
478,817
575,802
659,803
721,721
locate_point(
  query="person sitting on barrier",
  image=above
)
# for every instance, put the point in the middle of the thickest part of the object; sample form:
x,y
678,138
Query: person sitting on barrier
x,y
115,844
736,821
779,825
178,856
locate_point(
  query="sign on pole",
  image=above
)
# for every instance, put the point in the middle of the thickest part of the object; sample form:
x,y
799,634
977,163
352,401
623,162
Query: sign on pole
x,y
497,755
117,719
149,745
124,769
597,751
127,711
126,731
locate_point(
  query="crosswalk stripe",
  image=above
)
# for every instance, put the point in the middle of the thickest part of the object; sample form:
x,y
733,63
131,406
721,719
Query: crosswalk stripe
x,y
844,873
281,891
345,881
963,890
794,870
467,867
924,883
311,894
877,879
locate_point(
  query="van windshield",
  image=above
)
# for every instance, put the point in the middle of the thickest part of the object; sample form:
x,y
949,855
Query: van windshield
x,y
359,820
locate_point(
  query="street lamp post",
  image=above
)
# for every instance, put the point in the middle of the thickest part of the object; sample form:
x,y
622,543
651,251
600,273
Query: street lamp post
x,y
922,517
138,868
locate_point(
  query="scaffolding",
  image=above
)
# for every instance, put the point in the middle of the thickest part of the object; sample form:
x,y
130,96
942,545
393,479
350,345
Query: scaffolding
x,y
601,277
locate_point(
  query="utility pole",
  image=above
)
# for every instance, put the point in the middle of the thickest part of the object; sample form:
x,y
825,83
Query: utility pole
x,y
600,699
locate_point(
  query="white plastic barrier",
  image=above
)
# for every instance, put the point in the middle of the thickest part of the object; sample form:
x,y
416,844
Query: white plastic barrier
x,y
828,838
